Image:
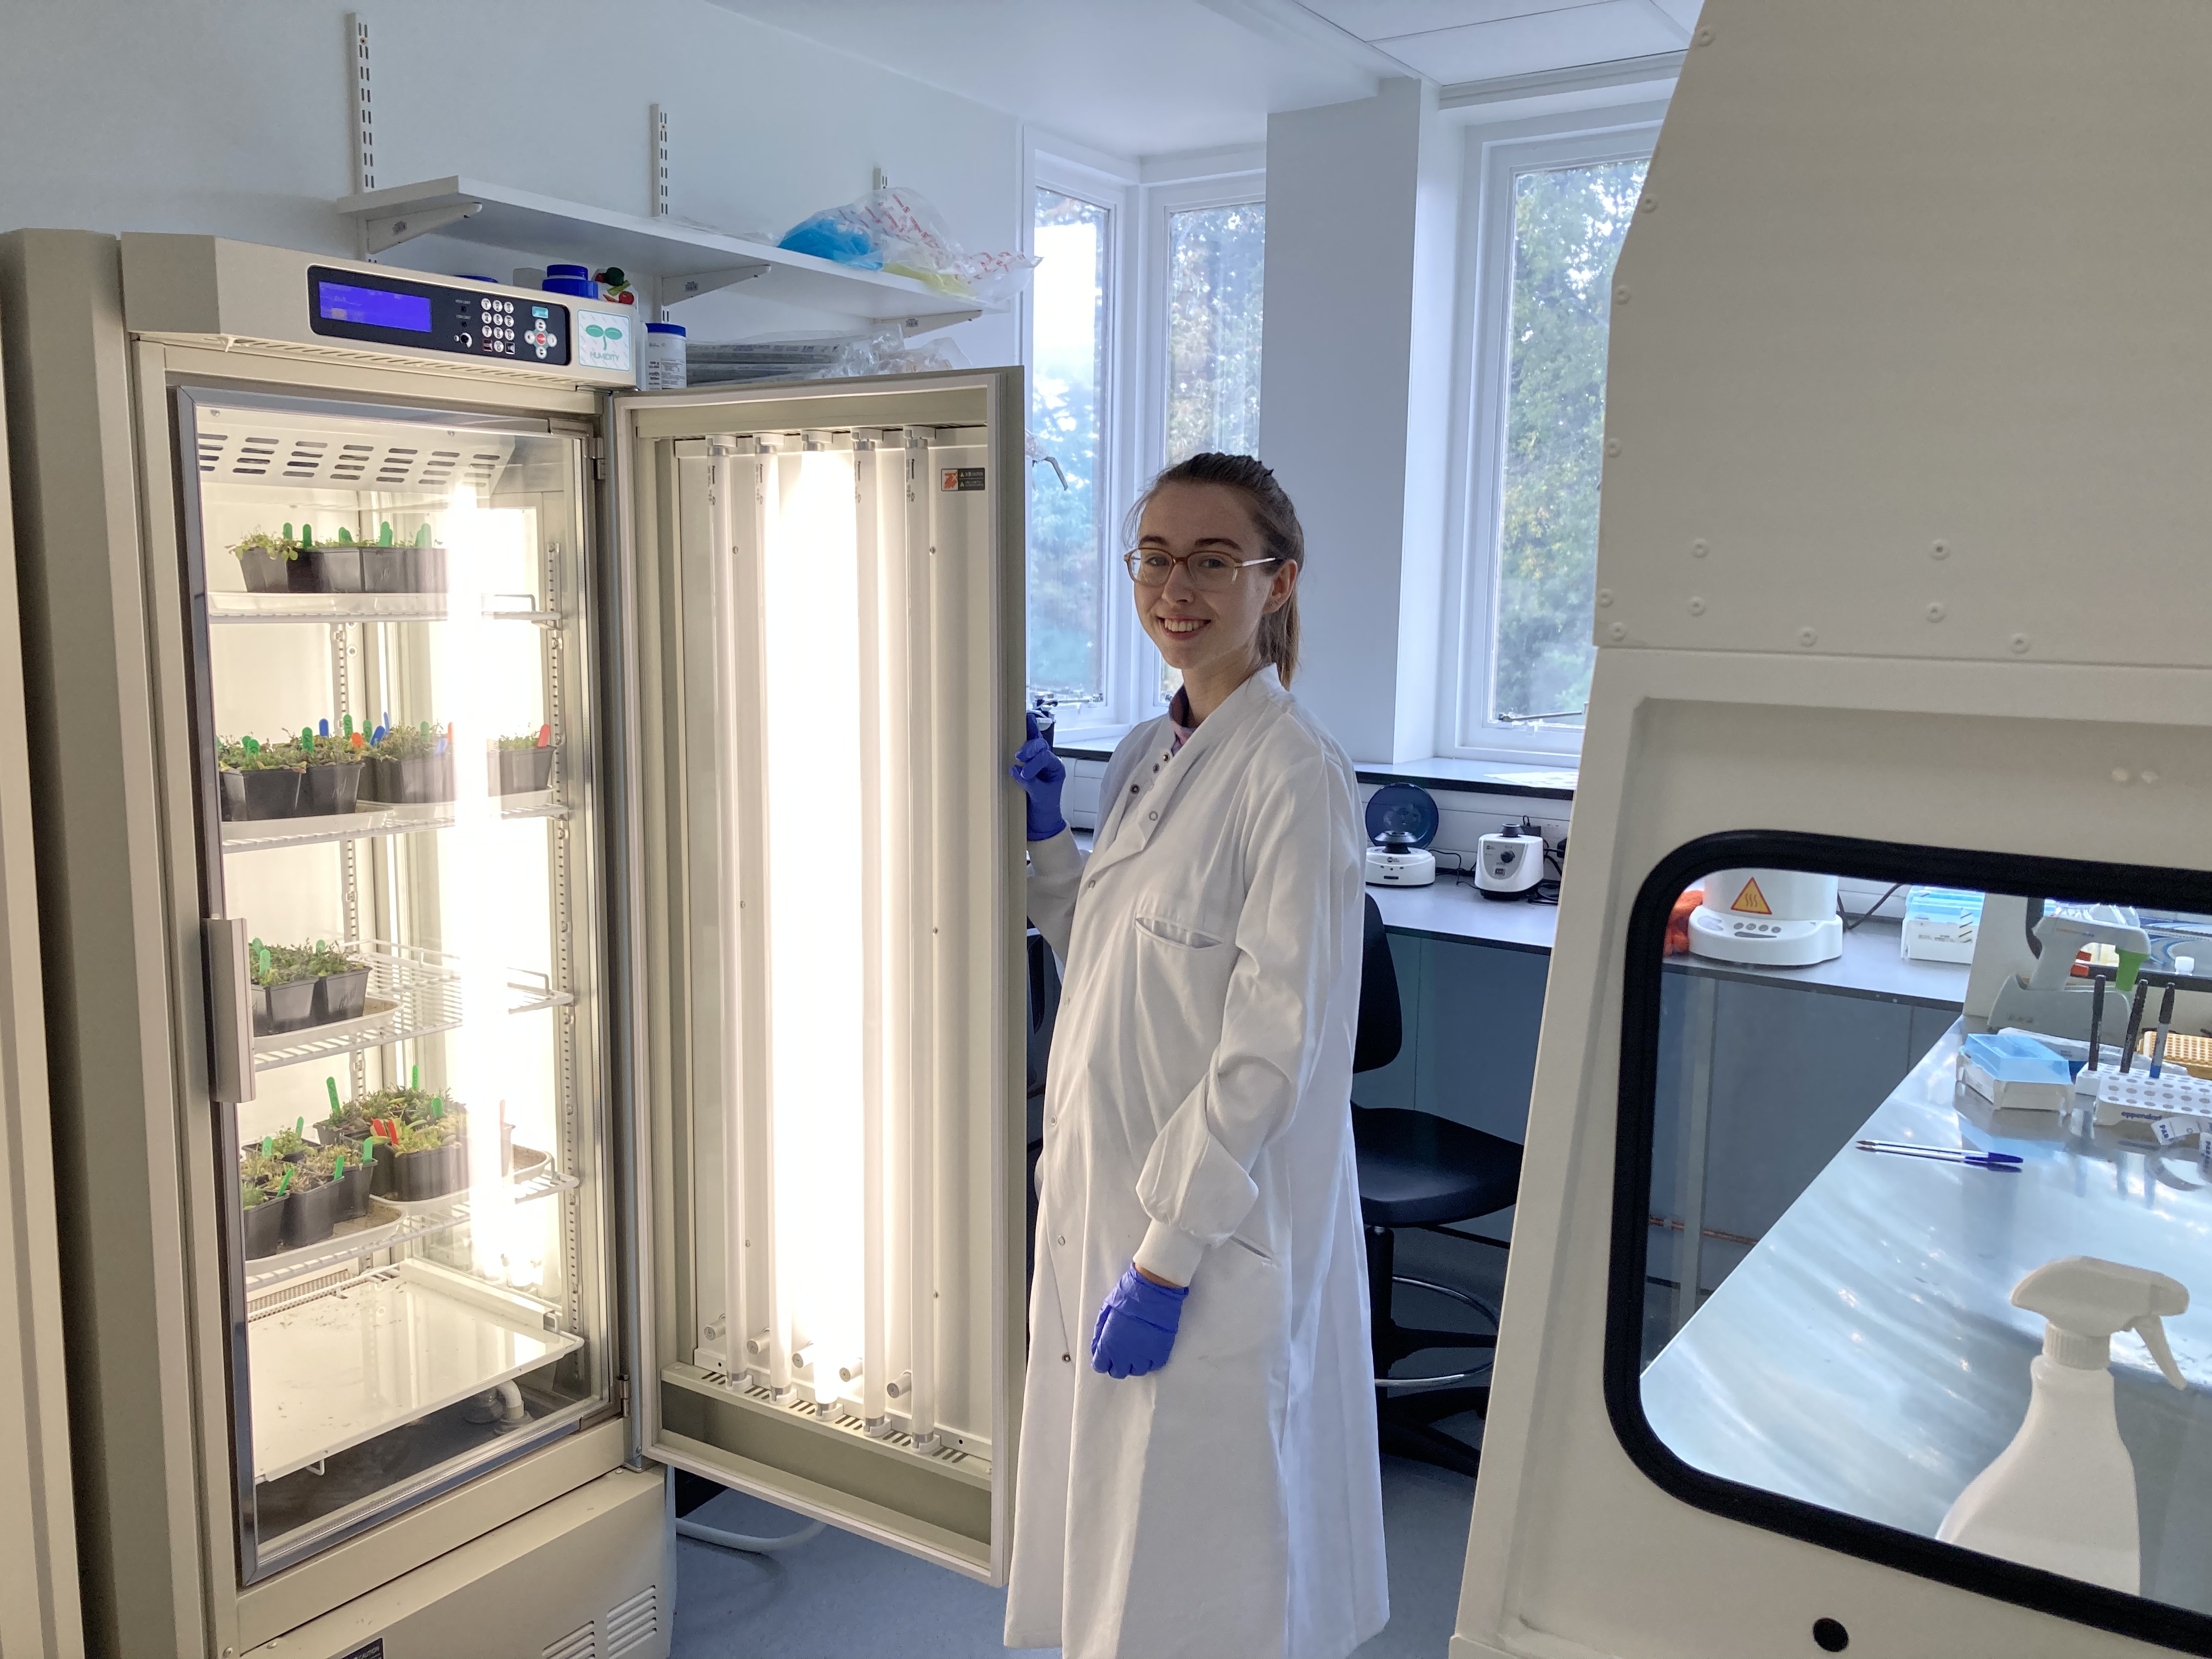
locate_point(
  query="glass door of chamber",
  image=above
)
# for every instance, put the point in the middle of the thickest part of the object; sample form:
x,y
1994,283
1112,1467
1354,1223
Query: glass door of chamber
x,y
396,810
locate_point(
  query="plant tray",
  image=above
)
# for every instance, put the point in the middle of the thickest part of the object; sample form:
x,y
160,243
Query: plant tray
x,y
377,1012
529,1165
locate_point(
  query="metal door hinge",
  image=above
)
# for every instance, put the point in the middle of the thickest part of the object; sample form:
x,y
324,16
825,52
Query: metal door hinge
x,y
622,1392
595,448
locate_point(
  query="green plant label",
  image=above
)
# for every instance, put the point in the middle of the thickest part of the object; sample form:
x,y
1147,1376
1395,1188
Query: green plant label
x,y
331,1083
383,534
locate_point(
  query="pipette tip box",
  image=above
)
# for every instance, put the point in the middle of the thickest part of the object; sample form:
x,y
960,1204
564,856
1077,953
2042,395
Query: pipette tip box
x,y
2016,1073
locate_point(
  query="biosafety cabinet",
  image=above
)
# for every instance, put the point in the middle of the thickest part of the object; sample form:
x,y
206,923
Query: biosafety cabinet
x,y
525,879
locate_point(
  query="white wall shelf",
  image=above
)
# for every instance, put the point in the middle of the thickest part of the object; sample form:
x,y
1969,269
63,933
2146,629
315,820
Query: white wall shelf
x,y
667,261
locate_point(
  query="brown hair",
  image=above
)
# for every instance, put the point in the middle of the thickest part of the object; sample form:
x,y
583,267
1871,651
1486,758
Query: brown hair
x,y
1281,535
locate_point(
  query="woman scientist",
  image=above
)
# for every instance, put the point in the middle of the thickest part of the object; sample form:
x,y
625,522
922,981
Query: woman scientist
x,y
1198,1474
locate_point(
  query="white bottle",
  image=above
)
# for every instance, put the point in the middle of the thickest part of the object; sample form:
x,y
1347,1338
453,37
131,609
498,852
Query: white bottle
x,y
2062,1496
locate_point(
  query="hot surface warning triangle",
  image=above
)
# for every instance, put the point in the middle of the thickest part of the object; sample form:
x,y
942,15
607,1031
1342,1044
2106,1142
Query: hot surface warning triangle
x,y
1751,901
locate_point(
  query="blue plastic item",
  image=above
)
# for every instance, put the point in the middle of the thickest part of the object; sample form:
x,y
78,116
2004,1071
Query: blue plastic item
x,y
2009,1057
1402,806
826,236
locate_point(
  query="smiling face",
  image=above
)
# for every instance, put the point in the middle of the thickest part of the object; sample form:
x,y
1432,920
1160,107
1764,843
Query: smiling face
x,y
1208,637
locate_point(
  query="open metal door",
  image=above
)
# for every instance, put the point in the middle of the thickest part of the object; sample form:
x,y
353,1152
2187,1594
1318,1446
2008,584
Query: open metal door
x,y
820,588
1901,582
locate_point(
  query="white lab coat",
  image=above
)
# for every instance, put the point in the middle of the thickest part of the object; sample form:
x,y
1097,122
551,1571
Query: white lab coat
x,y
1229,1505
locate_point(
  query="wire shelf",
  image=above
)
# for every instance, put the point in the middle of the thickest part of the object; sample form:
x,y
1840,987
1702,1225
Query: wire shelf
x,y
328,608
259,835
298,1267
424,989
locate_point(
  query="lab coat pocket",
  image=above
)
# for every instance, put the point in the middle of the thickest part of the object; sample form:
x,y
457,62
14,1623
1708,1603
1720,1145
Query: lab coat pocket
x,y
1183,962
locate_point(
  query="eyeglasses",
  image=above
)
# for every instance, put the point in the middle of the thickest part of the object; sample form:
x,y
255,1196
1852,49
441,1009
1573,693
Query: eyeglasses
x,y
1209,572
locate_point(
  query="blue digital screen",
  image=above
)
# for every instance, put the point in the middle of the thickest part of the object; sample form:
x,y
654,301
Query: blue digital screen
x,y
377,307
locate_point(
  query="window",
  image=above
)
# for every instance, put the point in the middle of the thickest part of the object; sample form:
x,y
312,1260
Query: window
x,y
1552,217
1844,1224
1070,514
1214,265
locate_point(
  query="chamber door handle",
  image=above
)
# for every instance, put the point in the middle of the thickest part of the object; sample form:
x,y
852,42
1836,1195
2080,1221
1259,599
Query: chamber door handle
x,y
230,1008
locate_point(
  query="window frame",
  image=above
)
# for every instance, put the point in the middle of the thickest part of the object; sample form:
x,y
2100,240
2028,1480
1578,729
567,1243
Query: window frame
x,y
1643,968
1068,176
1497,156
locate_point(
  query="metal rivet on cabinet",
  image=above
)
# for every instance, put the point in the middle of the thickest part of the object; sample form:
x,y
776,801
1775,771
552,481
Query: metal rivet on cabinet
x,y
1704,37
1939,550
2020,643
1649,205
2120,775
1620,296
1806,636
1613,445
1700,549
1604,596
2149,776
1697,607
1617,631
1935,612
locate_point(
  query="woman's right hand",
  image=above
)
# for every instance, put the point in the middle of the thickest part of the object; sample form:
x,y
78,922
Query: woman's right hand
x,y
1040,774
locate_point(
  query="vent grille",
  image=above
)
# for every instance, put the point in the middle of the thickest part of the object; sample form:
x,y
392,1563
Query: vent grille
x,y
578,1643
635,1623
236,448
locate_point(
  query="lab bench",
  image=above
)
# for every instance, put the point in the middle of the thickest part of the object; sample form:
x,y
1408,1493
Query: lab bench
x,y
1867,1358
1471,977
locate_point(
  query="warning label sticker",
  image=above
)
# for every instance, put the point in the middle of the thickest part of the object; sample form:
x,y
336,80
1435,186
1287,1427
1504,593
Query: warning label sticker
x,y
961,478
1751,901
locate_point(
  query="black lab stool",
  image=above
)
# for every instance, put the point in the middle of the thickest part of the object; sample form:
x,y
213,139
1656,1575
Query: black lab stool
x,y
1417,1169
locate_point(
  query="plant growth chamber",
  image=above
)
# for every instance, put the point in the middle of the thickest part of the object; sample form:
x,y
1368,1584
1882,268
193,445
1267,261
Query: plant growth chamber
x,y
527,889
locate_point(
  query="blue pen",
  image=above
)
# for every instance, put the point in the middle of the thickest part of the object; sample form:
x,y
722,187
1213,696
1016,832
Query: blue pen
x,y
1945,1154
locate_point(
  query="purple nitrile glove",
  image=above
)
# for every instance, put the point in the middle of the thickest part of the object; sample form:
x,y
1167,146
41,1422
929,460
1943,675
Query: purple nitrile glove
x,y
1137,1326
1040,774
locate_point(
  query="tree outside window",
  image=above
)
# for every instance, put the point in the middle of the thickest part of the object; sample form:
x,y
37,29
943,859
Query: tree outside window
x,y
1568,223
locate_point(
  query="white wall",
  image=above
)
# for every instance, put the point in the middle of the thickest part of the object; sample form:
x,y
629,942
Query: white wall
x,y
1362,201
233,116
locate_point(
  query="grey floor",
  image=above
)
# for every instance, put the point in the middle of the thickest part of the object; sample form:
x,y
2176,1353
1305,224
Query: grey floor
x,y
841,1595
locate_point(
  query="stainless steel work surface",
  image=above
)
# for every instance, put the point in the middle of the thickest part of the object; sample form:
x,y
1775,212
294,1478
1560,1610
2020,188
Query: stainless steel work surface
x,y
1867,1358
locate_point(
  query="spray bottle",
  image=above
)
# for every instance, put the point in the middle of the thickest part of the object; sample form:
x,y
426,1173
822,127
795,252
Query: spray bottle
x,y
2061,1496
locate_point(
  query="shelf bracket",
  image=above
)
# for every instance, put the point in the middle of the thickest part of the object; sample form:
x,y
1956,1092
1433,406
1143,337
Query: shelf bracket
x,y
910,326
389,230
671,289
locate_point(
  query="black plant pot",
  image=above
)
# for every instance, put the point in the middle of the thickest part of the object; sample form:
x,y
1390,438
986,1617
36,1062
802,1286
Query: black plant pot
x,y
383,1165
429,569
257,1003
341,996
310,1215
265,573
337,1132
291,1006
387,570
354,1186
264,1227
427,779
518,771
273,792
431,1174
334,569
330,788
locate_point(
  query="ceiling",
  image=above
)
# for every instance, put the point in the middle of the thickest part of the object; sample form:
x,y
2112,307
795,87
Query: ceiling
x,y
1454,41
1159,77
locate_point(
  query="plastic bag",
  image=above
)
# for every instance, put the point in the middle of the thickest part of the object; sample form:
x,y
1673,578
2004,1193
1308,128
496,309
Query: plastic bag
x,y
829,235
900,231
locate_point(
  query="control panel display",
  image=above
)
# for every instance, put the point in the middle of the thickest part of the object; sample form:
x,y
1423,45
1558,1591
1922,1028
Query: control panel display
x,y
353,305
